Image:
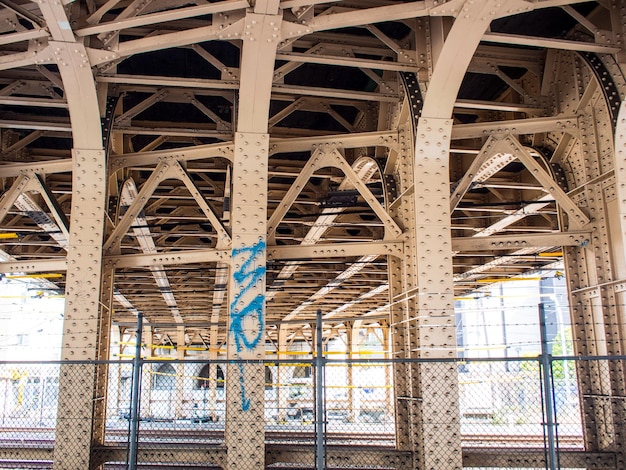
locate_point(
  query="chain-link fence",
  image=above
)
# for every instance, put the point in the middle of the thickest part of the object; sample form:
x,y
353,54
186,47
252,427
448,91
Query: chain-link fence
x,y
505,411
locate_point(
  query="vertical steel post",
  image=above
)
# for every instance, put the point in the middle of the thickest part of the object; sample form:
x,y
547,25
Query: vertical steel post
x,y
547,390
42,396
6,398
134,398
319,395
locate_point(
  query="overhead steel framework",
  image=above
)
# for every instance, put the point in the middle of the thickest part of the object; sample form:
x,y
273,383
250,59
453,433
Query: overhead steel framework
x,y
227,168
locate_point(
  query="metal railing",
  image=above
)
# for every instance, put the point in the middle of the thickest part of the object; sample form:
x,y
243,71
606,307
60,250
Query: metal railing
x,y
503,405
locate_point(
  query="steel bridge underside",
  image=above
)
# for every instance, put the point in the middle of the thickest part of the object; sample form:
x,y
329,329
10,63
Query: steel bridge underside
x,y
228,168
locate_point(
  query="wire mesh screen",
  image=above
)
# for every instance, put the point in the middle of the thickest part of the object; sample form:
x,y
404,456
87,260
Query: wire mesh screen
x,y
501,400
28,410
29,395
50,412
359,402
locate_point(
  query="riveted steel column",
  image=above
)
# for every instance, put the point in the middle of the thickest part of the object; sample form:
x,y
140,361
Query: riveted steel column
x,y
82,313
402,282
597,269
580,274
620,165
436,385
85,334
435,297
103,351
619,290
86,326
245,383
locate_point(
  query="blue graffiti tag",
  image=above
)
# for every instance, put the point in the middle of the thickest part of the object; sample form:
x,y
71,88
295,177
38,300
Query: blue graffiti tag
x,y
246,277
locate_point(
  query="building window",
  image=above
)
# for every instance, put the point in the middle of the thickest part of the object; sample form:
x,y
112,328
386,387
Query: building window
x,y
269,379
204,377
302,372
164,378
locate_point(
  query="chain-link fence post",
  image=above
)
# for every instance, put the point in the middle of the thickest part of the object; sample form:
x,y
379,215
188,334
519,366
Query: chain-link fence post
x,y
548,395
320,418
134,398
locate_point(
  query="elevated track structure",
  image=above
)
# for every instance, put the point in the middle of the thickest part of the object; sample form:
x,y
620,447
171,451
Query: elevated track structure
x,y
228,168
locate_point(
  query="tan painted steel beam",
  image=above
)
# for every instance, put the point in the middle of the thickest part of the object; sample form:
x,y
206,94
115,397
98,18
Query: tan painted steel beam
x,y
160,95
456,54
577,217
12,194
159,81
560,153
388,139
565,123
22,143
497,106
330,250
384,139
564,44
510,148
35,102
210,114
365,168
620,166
369,16
37,125
251,146
161,17
329,157
42,54
193,131
505,242
168,259
284,453
198,152
11,170
20,36
233,29
335,93
478,272
143,236
168,168
179,258
34,266
434,303
345,61
463,185
333,284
